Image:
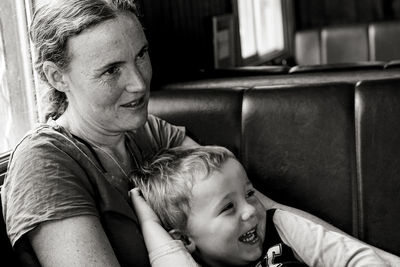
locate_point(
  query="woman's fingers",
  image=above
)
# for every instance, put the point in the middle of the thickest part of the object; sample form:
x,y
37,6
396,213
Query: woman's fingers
x,y
135,192
142,208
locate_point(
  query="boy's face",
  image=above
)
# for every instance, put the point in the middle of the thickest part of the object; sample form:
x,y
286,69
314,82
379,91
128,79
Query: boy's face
x,y
227,221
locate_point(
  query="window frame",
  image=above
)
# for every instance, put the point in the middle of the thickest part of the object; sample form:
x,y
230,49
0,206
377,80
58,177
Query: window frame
x,y
288,37
19,74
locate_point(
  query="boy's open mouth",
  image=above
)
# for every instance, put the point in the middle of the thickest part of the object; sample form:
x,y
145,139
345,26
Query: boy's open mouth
x,y
250,237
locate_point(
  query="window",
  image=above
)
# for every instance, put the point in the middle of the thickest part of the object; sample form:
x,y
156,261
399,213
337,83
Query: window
x,y
17,103
263,29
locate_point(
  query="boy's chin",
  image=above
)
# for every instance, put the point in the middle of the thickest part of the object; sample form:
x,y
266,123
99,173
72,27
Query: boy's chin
x,y
254,254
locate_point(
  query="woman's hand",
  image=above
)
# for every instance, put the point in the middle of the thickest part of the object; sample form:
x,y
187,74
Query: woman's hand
x,y
144,212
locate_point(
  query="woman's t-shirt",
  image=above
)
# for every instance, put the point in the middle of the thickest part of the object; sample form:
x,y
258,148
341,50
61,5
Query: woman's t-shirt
x,y
54,175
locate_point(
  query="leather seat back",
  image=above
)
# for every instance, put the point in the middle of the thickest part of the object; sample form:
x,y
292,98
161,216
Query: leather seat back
x,y
344,44
378,158
299,147
384,41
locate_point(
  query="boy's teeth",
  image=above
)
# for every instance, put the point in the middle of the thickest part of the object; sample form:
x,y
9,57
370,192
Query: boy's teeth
x,y
250,237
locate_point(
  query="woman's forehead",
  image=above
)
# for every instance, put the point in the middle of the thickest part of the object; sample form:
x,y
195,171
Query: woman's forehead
x,y
109,40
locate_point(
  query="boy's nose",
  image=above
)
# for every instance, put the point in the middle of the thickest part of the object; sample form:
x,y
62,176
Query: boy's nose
x,y
248,212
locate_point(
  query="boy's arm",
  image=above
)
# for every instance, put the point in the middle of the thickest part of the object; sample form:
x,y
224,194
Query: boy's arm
x,y
318,246
163,249
268,203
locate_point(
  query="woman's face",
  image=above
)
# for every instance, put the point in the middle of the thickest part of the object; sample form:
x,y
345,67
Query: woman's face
x,y
109,75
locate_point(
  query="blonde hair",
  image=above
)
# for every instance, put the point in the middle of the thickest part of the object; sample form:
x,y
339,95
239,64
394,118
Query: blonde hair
x,y
53,23
166,181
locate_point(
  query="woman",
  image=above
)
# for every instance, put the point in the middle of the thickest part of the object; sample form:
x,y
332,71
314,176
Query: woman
x,y
65,199
66,195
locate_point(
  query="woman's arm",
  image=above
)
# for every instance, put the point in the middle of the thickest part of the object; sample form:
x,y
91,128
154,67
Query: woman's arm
x,y
189,142
163,250
75,241
389,258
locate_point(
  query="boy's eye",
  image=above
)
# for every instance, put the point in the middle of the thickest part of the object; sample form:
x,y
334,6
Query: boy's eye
x,y
228,207
250,193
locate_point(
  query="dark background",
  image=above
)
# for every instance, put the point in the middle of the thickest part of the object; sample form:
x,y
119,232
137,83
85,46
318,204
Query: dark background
x,y
180,31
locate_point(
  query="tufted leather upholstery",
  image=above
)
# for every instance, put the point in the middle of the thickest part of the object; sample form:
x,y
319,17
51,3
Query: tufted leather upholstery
x,y
332,149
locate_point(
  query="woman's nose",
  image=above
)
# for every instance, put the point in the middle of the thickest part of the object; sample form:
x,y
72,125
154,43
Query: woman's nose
x,y
135,81
249,211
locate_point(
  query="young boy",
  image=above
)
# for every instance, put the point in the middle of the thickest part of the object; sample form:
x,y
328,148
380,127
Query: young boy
x,y
202,197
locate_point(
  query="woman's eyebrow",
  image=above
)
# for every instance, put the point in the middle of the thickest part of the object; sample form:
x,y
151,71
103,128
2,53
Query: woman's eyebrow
x,y
108,65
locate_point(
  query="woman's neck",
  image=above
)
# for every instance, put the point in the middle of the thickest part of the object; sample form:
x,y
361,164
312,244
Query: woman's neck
x,y
91,132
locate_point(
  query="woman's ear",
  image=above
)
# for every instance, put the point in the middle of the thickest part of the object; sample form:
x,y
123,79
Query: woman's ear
x,y
55,76
188,242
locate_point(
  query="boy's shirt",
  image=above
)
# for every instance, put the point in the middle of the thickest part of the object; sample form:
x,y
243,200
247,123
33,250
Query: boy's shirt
x,y
277,253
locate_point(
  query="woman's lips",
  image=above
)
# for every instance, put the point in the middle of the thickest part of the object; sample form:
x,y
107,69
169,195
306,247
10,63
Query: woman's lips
x,y
135,103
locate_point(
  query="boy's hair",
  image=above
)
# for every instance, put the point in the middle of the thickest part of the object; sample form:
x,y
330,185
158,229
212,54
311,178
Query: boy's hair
x,y
166,181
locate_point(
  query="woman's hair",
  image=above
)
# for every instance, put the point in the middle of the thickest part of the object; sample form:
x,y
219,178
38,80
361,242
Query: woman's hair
x,y
53,23
167,180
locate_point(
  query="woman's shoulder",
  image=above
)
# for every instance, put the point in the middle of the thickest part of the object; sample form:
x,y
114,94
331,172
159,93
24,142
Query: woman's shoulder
x,y
41,150
41,138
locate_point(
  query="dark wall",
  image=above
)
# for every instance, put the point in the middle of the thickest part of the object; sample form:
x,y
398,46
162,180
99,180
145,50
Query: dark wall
x,y
318,13
180,36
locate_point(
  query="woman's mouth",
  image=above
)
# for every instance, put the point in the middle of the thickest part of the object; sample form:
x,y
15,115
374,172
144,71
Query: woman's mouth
x,y
250,237
137,103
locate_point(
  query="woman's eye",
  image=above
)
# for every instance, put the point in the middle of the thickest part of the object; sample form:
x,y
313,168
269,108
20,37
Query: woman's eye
x,y
142,53
227,207
250,193
111,71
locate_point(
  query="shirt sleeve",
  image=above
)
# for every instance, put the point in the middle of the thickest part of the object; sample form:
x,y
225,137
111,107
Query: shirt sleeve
x,y
317,246
166,134
172,253
43,183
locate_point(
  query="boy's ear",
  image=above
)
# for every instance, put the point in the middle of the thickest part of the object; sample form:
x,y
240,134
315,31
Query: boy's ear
x,y
54,76
188,242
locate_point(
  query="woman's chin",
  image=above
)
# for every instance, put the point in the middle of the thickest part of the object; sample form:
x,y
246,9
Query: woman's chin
x,y
132,121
